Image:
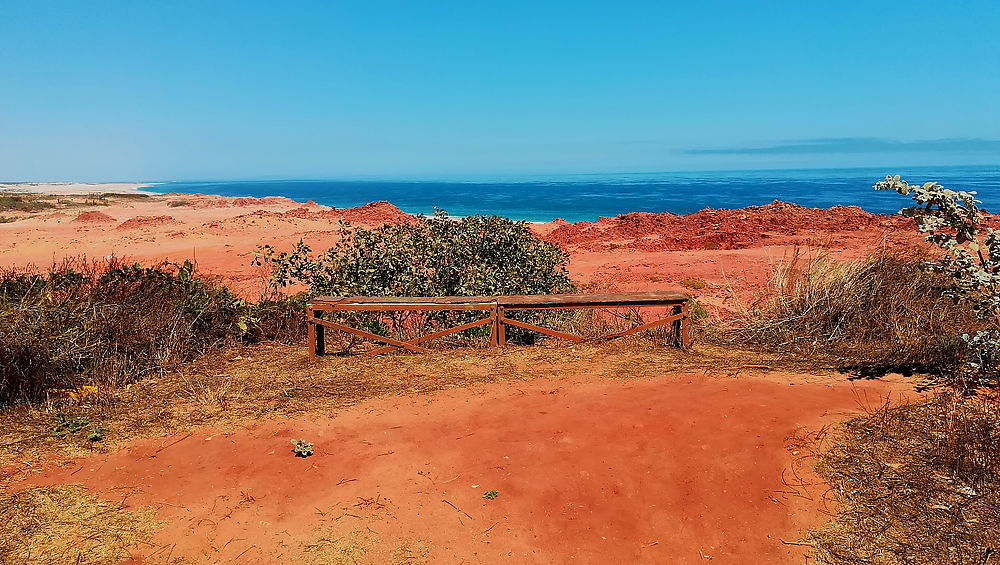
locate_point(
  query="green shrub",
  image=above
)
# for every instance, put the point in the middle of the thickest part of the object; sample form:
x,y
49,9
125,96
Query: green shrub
x,y
433,256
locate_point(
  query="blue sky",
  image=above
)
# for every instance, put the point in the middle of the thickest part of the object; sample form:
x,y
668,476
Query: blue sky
x,y
103,91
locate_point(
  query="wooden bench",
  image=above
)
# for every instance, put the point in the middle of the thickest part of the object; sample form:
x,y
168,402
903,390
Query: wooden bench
x,y
495,309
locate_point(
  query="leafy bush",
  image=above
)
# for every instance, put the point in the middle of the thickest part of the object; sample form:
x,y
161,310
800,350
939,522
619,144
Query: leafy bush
x,y
953,221
110,323
433,256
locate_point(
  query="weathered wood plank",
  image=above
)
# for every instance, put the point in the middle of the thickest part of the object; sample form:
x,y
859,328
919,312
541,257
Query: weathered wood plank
x,y
611,299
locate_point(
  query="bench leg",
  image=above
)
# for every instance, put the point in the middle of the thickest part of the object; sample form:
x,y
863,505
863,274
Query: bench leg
x,y
316,334
685,327
678,325
320,346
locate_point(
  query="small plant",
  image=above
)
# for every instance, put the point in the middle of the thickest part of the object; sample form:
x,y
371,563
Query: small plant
x,y
695,284
66,425
697,311
5,220
97,434
178,203
491,494
301,448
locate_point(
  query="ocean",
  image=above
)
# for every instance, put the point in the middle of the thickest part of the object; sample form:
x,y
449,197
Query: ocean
x,y
586,197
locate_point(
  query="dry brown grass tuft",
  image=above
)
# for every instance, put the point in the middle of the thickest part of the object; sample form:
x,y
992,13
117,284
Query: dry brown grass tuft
x,y
918,484
67,525
874,316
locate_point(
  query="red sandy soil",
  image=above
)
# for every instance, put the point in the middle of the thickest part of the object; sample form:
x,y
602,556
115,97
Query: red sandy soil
x,y
676,469
731,251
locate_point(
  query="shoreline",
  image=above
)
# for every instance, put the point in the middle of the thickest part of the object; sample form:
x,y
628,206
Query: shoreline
x,y
67,188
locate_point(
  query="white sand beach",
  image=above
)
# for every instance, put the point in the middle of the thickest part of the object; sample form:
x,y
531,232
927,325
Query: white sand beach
x,y
74,187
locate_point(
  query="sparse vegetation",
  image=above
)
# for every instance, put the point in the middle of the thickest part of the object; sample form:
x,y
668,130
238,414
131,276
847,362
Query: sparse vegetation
x,y
302,448
125,195
67,525
877,315
897,311
108,323
491,494
19,202
178,203
919,484
694,284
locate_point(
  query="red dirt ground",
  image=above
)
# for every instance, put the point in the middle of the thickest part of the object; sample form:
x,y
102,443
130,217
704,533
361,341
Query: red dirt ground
x,y
679,469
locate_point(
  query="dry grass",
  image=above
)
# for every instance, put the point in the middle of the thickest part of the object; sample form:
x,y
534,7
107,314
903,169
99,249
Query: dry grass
x,y
107,323
918,484
67,525
874,316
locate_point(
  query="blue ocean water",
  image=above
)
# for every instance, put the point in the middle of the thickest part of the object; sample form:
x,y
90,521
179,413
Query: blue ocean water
x,y
588,197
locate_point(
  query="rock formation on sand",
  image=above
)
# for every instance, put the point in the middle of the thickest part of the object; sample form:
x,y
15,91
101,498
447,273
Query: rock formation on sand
x,y
716,229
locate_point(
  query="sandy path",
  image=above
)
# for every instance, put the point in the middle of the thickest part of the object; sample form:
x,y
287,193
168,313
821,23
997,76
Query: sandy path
x,y
676,469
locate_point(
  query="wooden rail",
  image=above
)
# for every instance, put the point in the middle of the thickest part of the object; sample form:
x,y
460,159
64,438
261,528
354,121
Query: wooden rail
x,y
495,309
